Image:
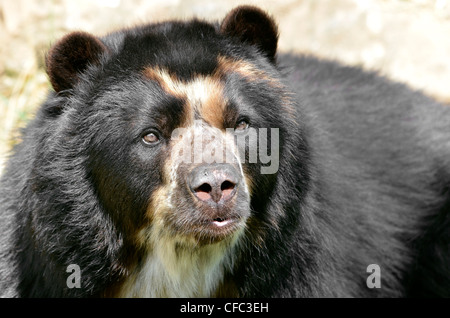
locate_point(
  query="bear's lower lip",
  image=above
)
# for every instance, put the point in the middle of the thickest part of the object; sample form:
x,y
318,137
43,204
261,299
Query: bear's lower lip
x,y
222,222
215,230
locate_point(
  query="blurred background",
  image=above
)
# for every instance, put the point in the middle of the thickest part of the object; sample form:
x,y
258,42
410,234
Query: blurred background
x,y
407,40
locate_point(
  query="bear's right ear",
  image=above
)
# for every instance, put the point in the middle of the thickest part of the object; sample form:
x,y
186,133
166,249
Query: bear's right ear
x,y
70,56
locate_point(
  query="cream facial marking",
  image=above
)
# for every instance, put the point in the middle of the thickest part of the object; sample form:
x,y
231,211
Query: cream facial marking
x,y
203,95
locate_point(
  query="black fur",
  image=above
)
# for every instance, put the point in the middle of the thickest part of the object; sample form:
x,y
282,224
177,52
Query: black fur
x,y
364,172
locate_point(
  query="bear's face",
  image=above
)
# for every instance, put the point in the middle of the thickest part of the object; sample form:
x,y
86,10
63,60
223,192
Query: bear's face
x,y
176,122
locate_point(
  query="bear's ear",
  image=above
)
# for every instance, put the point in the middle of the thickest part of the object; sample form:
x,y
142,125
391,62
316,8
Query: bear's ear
x,y
252,25
70,56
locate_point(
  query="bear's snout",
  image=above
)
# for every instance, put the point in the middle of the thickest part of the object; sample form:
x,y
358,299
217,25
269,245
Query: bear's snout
x,y
214,184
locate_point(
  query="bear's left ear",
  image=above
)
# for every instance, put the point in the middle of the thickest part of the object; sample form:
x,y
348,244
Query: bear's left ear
x,y
253,26
70,56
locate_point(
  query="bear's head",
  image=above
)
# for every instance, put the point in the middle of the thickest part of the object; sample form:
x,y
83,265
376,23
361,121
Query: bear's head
x,y
178,132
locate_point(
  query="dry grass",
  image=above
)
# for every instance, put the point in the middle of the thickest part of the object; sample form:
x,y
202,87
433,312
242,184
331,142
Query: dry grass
x,y
20,95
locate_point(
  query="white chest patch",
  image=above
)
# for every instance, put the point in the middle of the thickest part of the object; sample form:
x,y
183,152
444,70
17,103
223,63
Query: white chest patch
x,y
174,270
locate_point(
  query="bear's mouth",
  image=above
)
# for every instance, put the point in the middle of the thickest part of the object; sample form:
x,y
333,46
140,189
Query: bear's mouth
x,y
213,230
221,222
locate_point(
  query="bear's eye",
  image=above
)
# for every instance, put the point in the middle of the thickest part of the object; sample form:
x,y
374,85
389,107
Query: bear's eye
x,y
150,139
241,125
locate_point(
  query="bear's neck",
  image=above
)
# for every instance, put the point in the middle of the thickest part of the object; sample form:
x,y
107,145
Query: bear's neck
x,y
170,269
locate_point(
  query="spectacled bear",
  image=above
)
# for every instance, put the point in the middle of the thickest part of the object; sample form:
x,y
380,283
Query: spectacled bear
x,y
189,159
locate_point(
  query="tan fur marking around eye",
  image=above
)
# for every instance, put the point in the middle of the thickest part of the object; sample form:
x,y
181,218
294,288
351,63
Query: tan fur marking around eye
x,y
168,82
212,106
203,95
227,65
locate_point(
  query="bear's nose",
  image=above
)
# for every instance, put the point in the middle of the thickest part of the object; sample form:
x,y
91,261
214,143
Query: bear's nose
x,y
216,182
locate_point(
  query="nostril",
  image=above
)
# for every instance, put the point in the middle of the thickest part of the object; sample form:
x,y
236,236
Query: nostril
x,y
205,187
227,188
203,192
227,185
